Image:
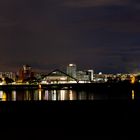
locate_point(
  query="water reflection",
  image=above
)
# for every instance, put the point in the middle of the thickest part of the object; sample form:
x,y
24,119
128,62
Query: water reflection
x,y
3,96
40,94
35,95
72,95
60,95
46,97
27,95
91,97
133,95
54,95
13,95
82,95
1,93
63,95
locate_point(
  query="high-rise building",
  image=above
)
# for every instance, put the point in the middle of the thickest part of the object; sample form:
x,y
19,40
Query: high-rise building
x,y
11,75
82,76
71,70
90,72
25,72
86,75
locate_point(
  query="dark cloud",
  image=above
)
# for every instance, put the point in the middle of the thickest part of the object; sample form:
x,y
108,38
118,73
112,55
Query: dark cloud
x,y
49,34
92,3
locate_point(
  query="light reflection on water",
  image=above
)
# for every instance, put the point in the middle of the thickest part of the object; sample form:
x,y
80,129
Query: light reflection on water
x,y
13,95
133,94
3,96
54,95
40,94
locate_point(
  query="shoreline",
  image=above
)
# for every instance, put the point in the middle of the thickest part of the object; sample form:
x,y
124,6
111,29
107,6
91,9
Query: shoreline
x,y
74,86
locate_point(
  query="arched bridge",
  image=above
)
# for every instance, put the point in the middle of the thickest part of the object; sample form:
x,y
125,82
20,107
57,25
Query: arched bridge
x,y
61,72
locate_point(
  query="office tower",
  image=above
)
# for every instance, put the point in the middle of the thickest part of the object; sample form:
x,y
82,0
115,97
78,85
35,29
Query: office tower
x,y
71,70
91,72
25,73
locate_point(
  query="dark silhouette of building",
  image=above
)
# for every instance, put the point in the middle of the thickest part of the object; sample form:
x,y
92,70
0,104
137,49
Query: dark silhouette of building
x,y
25,73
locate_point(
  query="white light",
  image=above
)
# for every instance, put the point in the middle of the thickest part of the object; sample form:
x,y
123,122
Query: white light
x,y
70,95
54,95
40,92
71,65
62,94
81,82
63,78
43,82
14,95
72,82
46,95
1,93
100,73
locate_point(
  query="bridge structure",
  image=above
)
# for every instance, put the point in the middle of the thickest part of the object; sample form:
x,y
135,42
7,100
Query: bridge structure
x,y
77,85
62,73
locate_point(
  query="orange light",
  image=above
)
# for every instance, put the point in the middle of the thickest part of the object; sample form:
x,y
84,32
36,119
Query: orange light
x,y
4,96
133,79
39,86
133,94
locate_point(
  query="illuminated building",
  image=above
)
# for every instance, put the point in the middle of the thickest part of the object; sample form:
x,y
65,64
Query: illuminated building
x,y
90,73
55,77
10,75
83,76
25,73
71,70
133,79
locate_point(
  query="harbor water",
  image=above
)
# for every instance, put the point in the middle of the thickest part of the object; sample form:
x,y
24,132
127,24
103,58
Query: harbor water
x,y
61,95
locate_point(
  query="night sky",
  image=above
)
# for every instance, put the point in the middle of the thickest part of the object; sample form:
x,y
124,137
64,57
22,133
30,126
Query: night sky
x,y
103,35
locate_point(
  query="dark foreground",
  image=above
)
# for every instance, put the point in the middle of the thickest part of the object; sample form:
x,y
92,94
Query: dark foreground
x,y
70,119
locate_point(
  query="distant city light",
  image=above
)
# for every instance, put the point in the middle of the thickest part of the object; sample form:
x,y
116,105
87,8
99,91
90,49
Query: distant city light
x,y
71,65
133,79
26,76
100,73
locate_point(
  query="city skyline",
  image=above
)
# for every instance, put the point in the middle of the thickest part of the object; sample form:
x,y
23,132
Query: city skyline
x,y
70,69
49,34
